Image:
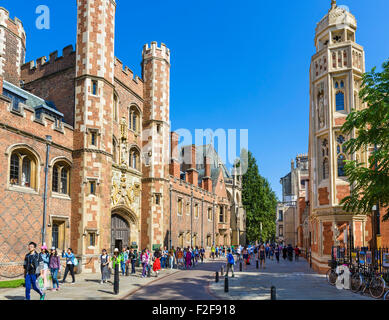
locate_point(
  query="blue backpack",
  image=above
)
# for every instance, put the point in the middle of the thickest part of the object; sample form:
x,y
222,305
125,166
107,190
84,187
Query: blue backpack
x,y
231,259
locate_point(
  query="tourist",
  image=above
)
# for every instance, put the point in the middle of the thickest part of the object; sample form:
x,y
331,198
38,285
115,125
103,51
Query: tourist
x,y
213,250
69,265
230,263
44,260
180,258
171,258
149,260
123,260
262,256
284,252
202,254
145,260
267,250
133,257
157,262
271,252
277,253
55,266
238,252
188,259
31,264
193,257
116,261
104,266
296,253
290,252
164,258
245,257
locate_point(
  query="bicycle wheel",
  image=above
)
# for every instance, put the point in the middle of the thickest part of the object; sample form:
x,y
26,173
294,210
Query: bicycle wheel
x,y
331,277
356,282
377,287
386,296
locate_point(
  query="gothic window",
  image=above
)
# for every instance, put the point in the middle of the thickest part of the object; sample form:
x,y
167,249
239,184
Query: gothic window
x,y
341,158
210,214
94,87
61,177
196,211
342,84
23,169
221,215
179,206
340,101
134,161
134,119
336,85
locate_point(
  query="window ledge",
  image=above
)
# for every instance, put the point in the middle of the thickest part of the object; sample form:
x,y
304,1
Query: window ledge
x,y
22,189
60,196
17,112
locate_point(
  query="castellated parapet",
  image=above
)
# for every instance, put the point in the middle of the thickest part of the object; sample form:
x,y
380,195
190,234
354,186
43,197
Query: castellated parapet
x,y
153,51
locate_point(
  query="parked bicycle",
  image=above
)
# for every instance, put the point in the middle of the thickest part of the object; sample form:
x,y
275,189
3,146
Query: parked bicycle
x,y
368,280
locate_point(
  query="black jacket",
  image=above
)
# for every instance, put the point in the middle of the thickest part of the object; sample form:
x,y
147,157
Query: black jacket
x,y
31,263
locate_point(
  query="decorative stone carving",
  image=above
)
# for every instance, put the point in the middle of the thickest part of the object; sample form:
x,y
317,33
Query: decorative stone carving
x,y
124,193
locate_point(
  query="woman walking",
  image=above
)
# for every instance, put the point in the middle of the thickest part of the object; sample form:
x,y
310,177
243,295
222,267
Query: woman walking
x,y
69,265
45,261
245,257
104,266
55,266
188,258
157,262
145,260
262,256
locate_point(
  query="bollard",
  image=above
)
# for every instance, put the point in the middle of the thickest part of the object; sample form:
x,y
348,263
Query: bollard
x,y
273,294
217,277
222,271
116,279
257,264
226,284
240,266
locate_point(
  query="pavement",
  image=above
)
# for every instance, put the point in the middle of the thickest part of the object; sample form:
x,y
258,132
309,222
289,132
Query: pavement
x,y
88,287
293,281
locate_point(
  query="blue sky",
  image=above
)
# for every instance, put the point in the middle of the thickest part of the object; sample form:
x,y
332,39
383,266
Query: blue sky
x,y
235,64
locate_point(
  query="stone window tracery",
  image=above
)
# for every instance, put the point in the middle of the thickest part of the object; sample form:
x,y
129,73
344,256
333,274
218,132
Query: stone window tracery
x,y
23,169
341,157
61,177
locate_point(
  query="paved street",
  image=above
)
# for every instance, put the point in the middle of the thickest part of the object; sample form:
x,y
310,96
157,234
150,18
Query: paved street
x,y
185,285
293,281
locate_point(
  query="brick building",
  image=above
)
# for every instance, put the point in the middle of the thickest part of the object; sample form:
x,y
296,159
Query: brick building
x,y
335,77
101,138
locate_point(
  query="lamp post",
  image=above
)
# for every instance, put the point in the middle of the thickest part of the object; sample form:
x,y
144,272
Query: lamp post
x,y
377,208
48,143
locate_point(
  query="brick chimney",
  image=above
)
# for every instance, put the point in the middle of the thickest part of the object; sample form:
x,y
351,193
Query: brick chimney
x,y
174,166
207,182
193,175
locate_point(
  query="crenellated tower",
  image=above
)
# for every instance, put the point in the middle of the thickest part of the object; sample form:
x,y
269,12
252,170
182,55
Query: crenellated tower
x,y
12,47
335,80
91,211
155,136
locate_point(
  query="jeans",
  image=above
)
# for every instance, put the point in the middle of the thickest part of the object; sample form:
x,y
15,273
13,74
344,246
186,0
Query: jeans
x,y
54,274
144,265
133,266
69,267
123,266
30,280
171,262
163,262
230,266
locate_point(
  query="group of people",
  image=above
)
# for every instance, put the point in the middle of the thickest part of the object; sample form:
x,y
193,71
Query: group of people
x,y
39,265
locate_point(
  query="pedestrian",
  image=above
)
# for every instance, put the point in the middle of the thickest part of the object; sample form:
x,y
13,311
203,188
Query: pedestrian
x,y
271,252
267,250
164,258
245,257
44,260
55,267
188,259
180,258
123,260
202,254
290,252
238,252
149,260
213,250
144,260
31,268
230,262
157,262
284,252
69,265
133,257
171,258
262,256
277,253
116,261
104,266
296,253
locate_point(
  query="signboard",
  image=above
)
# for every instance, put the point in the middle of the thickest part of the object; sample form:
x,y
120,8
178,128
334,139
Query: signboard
x,y
156,246
362,257
385,261
368,257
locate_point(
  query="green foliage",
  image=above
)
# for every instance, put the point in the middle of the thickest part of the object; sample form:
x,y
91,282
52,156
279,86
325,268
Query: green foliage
x,y
370,182
12,284
259,201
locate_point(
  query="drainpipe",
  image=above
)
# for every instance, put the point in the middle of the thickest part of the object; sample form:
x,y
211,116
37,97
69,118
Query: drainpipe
x,y
191,219
170,222
213,220
48,143
202,222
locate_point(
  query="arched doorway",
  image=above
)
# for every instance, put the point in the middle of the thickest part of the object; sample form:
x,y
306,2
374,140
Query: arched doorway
x,y
120,232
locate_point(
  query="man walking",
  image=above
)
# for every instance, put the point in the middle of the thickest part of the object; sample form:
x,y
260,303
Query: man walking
x,y
296,253
31,263
230,262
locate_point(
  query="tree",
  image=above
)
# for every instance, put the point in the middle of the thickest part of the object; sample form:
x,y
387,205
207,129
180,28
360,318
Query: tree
x,y
369,181
259,201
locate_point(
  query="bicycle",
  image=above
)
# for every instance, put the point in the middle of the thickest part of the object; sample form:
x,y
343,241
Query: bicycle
x,y
368,280
386,295
331,274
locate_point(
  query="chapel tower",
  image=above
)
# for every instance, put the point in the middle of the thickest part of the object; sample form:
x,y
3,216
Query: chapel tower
x,y
92,174
335,79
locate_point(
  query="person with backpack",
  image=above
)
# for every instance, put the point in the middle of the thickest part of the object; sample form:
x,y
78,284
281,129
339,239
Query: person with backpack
x,y
55,266
104,266
31,268
230,262
71,261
